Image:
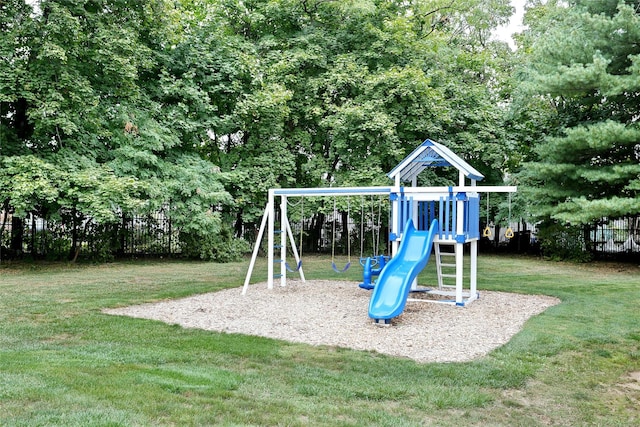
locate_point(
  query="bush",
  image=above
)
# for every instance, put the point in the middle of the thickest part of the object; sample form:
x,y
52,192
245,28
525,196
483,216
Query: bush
x,y
563,242
221,247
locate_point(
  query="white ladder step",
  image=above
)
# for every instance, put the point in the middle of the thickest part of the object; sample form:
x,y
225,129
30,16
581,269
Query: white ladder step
x,y
444,261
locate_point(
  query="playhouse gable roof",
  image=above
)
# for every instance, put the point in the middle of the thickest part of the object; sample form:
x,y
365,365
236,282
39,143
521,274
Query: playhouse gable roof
x,y
432,154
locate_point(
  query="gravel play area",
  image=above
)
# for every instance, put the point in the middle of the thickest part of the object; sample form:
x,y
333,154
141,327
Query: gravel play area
x,y
336,314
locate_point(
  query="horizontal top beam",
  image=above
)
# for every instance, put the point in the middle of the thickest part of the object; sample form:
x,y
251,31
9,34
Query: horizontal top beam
x,y
331,191
365,191
460,189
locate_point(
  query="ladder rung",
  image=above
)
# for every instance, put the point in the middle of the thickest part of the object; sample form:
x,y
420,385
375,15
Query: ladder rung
x,y
277,260
277,231
277,246
277,276
448,275
447,265
447,254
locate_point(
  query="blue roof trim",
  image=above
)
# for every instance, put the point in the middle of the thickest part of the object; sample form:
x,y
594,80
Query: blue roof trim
x,y
432,154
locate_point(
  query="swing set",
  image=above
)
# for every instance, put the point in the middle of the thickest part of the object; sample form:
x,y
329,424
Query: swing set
x,y
282,228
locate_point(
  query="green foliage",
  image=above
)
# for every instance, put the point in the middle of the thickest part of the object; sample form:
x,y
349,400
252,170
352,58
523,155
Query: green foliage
x,y
128,106
33,184
56,248
363,83
26,182
563,242
89,127
587,167
219,247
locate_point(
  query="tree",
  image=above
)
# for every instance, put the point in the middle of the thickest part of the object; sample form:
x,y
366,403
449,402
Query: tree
x,y
584,62
87,98
345,86
198,107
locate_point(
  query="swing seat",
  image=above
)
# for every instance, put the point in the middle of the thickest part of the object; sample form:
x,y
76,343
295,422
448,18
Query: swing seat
x,y
337,270
286,265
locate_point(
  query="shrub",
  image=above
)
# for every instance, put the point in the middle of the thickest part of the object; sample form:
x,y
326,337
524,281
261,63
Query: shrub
x,y
563,242
220,247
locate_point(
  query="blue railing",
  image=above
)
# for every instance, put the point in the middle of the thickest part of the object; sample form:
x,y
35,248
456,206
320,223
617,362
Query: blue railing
x,y
445,210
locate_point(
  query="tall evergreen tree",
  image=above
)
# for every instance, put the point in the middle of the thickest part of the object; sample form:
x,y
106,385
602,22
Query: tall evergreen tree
x,y
585,63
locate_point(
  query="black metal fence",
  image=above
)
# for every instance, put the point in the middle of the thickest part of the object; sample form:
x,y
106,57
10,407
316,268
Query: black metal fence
x,y
144,235
615,239
155,236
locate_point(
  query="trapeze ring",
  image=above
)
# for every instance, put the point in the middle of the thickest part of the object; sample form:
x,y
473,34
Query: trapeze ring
x,y
508,233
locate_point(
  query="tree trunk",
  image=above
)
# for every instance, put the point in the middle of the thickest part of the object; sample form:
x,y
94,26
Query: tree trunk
x,y
314,243
344,238
24,130
17,235
74,235
238,224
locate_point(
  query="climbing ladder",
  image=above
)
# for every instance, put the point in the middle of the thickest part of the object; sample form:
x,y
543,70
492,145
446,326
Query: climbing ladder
x,y
446,265
450,270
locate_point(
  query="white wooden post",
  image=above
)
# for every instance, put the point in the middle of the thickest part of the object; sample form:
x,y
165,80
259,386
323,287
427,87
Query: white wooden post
x,y
473,266
473,269
270,239
460,246
283,240
395,213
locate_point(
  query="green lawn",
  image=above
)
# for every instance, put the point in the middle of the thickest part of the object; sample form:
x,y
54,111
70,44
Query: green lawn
x,y
63,362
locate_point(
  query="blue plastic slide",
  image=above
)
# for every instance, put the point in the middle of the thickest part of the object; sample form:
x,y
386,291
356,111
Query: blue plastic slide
x,y
390,293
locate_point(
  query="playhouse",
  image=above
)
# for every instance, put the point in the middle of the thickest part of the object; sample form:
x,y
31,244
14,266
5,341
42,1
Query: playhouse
x,y
423,220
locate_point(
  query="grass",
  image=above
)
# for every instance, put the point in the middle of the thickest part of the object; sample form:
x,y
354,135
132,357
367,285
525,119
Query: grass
x,y
64,362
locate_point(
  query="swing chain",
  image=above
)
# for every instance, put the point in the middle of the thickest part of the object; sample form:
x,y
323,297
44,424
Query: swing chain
x,y
333,240
375,229
301,224
487,230
509,231
361,227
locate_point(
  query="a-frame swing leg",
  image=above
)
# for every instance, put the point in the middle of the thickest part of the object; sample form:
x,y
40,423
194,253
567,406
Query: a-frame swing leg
x,y
267,222
256,248
292,241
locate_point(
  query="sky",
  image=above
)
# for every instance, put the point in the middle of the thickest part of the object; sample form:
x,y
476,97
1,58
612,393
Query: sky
x,y
504,32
